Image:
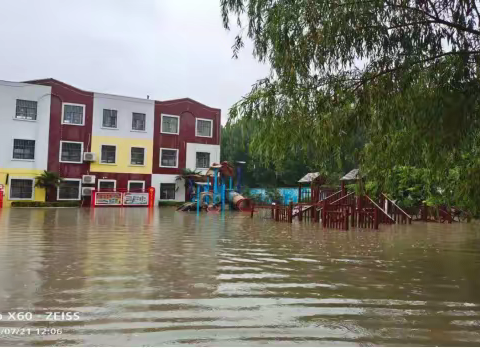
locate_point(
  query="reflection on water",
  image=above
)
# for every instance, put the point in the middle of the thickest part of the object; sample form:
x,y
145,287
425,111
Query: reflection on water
x,y
140,277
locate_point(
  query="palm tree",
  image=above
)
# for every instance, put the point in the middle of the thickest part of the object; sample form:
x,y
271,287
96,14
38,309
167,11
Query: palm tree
x,y
48,181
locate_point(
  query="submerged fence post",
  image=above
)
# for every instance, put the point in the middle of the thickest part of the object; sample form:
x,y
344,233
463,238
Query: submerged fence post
x,y
290,211
346,219
324,214
223,197
277,213
375,218
252,211
198,199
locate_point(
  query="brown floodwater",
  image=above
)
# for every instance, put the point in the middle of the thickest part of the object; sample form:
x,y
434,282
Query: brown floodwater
x,y
136,277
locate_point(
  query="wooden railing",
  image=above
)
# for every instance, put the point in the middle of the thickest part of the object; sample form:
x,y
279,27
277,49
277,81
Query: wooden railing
x,y
394,211
303,211
336,216
349,199
367,218
369,205
336,212
444,216
433,214
276,212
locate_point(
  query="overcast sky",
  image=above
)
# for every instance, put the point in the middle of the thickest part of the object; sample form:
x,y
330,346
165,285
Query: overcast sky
x,y
163,48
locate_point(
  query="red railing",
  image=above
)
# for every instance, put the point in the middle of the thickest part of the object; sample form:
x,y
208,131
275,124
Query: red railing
x,y
336,212
367,204
367,218
276,212
397,213
348,199
336,216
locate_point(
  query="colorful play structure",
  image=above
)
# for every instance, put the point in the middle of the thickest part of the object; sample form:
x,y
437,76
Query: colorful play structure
x,y
209,192
336,208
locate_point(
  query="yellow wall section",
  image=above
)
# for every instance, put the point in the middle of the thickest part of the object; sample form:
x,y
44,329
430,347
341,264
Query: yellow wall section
x,y
123,155
39,194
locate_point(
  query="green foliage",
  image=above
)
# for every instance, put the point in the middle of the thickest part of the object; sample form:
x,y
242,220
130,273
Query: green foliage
x,y
274,195
258,172
48,180
247,193
46,204
396,80
170,203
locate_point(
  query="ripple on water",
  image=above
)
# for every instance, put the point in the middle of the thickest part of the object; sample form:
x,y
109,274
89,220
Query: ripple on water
x,y
170,278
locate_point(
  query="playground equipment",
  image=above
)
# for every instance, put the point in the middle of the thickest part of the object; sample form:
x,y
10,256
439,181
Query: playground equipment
x,y
337,209
212,195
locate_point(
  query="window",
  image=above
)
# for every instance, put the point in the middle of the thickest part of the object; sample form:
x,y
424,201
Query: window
x,y
203,128
203,160
109,118
69,189
138,121
73,114
169,158
23,149
170,124
137,156
26,110
107,185
108,154
21,188
71,152
167,191
136,186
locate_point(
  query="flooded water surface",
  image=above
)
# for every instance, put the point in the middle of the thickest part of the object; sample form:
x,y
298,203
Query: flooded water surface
x,y
134,277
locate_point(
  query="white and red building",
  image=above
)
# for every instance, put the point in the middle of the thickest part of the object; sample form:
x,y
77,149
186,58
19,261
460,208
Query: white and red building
x,y
100,141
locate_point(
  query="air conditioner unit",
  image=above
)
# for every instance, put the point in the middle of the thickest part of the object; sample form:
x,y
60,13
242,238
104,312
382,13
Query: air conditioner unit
x,y
88,179
89,156
87,191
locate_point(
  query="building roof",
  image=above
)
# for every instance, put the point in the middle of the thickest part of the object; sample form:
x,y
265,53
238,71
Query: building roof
x,y
351,175
309,177
48,81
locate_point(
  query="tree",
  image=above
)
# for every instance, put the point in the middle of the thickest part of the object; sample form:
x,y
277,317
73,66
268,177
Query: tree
x,y
236,146
401,76
48,181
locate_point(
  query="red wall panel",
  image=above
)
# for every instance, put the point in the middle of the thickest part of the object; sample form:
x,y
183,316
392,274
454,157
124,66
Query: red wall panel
x,y
63,93
188,110
123,178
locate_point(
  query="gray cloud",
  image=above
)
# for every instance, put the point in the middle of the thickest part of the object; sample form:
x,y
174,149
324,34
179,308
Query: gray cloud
x,y
166,48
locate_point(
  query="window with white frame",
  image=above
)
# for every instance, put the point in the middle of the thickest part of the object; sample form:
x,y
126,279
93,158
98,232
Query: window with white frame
x,y
169,158
26,110
138,121
109,118
71,152
108,154
167,191
136,186
137,156
23,149
21,188
69,189
204,128
203,160
107,185
73,114
170,124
